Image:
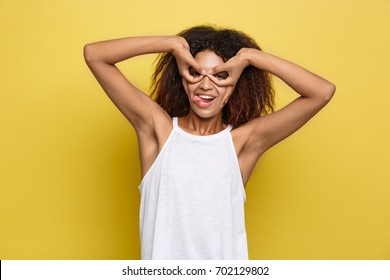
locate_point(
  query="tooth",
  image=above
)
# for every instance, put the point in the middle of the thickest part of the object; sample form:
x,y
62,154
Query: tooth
x,y
206,97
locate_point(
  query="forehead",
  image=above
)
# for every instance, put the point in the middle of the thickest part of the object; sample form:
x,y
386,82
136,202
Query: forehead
x,y
208,59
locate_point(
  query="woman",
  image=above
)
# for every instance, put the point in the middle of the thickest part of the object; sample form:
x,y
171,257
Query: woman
x,y
201,138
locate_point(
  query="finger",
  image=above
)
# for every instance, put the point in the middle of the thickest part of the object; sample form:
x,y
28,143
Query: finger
x,y
192,79
221,83
186,60
188,72
227,66
189,61
192,62
219,68
213,79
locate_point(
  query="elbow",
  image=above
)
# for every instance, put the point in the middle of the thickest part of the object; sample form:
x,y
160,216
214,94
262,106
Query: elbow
x,y
329,91
88,53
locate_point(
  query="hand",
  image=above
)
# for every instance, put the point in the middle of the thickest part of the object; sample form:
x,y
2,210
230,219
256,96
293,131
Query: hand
x,y
189,69
228,73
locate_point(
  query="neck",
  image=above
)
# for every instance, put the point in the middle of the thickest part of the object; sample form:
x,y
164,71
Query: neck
x,y
201,126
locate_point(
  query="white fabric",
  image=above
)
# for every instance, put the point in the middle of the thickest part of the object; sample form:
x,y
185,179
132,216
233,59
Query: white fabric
x,y
192,200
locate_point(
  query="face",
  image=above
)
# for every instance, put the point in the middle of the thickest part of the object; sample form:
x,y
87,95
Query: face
x,y
205,97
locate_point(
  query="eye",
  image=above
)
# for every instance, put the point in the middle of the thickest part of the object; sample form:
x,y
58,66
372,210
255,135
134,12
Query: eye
x,y
193,72
221,76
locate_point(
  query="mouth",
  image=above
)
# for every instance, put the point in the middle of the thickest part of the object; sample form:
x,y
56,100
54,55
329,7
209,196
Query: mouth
x,y
203,100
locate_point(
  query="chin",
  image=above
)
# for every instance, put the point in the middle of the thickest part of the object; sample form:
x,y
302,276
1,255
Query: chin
x,y
205,114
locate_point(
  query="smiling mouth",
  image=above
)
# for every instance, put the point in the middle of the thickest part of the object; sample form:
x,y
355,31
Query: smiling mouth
x,y
204,97
203,100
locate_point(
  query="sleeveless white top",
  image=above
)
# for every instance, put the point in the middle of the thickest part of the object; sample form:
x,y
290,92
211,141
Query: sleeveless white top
x,y
192,200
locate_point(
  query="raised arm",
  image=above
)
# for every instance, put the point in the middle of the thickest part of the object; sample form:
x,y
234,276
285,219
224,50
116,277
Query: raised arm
x,y
252,139
150,121
137,107
315,92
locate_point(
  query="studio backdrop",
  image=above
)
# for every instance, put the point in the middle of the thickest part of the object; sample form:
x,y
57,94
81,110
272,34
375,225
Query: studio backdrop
x,y
69,166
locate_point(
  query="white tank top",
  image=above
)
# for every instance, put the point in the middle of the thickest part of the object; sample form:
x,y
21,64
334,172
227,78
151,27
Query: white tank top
x,y
192,200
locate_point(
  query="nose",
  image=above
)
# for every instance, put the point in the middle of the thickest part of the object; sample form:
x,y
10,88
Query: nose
x,y
206,83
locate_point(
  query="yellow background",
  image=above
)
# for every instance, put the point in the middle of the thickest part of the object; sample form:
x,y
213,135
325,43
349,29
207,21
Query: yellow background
x,y
69,159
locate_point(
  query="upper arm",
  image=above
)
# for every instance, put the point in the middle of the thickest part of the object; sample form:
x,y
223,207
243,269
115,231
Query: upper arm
x,y
266,131
252,139
135,105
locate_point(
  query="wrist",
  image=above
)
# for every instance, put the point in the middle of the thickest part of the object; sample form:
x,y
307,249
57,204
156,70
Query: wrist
x,y
178,43
259,59
246,56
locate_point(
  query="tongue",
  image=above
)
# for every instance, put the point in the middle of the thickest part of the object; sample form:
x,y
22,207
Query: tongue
x,y
198,98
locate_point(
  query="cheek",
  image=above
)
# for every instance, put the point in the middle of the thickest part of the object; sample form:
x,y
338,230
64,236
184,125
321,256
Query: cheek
x,y
185,86
230,90
225,91
189,88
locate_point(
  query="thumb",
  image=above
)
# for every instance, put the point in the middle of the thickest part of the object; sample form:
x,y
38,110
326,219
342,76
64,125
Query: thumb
x,y
224,67
217,69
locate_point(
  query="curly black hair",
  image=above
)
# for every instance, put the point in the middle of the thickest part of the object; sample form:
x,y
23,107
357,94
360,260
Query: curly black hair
x,y
253,95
